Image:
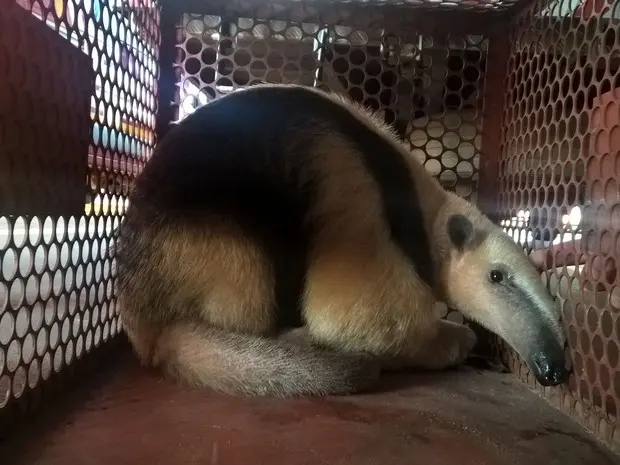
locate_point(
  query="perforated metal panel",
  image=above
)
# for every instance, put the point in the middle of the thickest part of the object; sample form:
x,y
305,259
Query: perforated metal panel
x,y
265,8
521,108
56,270
558,188
430,86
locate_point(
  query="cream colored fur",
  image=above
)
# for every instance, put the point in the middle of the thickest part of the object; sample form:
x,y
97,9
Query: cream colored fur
x,y
364,305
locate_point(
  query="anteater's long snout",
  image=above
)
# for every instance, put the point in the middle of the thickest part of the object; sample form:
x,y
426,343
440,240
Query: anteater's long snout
x,y
549,366
530,324
544,354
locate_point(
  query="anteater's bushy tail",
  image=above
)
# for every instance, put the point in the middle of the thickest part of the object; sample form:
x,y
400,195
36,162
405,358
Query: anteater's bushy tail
x,y
244,364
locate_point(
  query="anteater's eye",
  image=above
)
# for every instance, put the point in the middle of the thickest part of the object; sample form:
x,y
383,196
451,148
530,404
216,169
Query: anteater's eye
x,y
496,276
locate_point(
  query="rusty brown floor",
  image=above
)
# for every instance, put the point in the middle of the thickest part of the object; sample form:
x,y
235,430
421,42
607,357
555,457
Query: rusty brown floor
x,y
466,417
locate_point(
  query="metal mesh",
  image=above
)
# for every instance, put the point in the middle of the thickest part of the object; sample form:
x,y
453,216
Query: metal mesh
x,y
56,269
270,8
430,86
557,95
558,188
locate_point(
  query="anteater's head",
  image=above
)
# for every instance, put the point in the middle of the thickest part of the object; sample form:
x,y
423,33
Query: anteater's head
x,y
487,276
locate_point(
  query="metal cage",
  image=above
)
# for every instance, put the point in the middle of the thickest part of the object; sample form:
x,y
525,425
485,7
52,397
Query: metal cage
x,y
514,104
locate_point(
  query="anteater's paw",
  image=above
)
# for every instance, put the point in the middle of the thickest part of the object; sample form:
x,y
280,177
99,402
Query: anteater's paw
x,y
465,341
451,346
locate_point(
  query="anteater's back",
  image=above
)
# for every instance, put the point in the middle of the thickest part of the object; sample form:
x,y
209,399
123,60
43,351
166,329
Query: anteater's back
x,y
214,247
235,164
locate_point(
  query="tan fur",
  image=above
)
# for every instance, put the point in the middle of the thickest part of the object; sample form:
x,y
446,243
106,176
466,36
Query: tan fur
x,y
363,301
229,273
221,268
468,289
216,343
362,293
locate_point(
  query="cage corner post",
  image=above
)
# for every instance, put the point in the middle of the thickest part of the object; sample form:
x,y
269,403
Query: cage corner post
x,y
171,14
492,118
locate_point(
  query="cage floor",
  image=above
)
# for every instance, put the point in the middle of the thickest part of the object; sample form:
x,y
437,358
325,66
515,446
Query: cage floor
x,y
129,416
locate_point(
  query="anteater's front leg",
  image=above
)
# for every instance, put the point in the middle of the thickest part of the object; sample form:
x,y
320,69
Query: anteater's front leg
x,y
448,344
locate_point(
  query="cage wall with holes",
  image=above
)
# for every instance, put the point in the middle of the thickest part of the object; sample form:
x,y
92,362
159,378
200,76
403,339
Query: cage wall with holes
x,y
514,104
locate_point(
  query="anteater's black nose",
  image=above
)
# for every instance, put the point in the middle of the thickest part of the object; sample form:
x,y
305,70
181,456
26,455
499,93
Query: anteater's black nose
x,y
549,372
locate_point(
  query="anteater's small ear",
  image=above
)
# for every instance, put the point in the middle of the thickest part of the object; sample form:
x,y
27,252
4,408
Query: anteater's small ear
x,y
461,231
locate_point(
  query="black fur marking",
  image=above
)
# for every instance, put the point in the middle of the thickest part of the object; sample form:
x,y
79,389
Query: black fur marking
x,y
229,158
401,201
461,231
521,299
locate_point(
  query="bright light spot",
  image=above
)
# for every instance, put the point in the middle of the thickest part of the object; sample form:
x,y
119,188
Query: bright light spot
x,y
191,98
519,221
60,7
574,217
566,237
224,89
525,236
